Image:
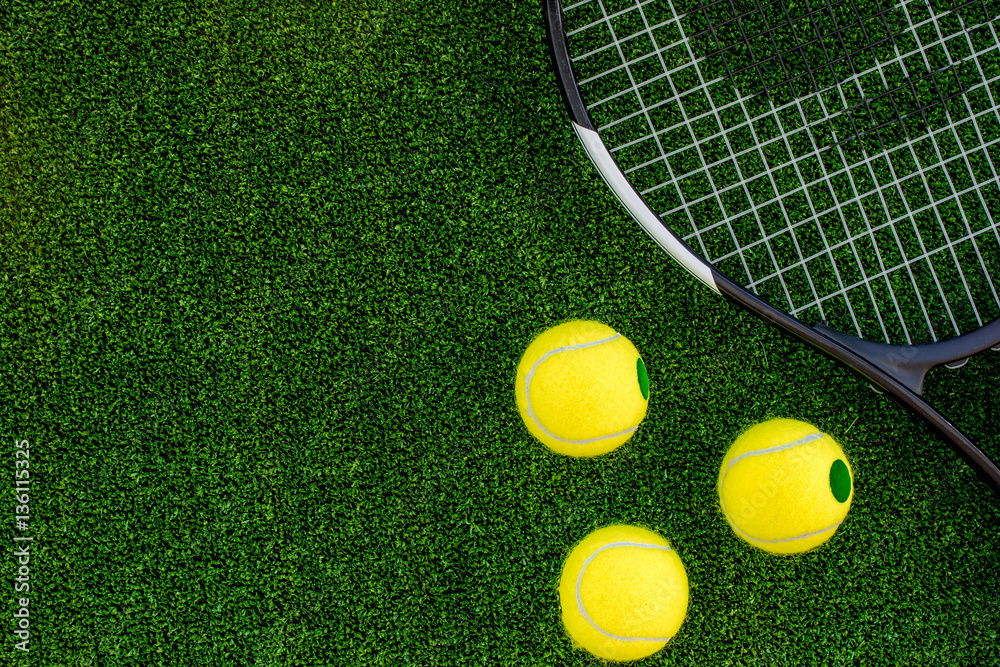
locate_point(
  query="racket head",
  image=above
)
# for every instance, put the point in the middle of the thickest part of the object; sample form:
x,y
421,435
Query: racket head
x,y
961,322
825,172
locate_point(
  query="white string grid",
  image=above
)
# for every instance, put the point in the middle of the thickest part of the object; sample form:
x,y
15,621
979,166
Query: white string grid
x,y
861,238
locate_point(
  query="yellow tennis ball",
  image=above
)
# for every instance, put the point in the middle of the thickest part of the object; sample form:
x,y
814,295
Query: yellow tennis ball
x,y
623,593
582,388
785,486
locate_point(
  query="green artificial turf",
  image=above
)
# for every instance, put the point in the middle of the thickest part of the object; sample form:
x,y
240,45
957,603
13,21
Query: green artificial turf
x,y
267,272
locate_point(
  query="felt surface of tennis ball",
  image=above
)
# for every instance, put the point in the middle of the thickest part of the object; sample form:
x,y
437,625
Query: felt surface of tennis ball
x,y
623,593
582,388
785,486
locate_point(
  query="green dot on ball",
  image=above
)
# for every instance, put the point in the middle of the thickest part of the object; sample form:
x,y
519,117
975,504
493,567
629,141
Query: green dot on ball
x,y
840,481
640,370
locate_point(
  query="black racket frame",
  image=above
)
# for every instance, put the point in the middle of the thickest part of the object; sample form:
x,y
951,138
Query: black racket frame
x,y
895,370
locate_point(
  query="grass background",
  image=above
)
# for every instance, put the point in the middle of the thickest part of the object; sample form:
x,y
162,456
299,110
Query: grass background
x,y
268,268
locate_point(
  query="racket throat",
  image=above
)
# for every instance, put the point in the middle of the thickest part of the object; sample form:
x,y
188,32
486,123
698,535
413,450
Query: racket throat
x,y
909,364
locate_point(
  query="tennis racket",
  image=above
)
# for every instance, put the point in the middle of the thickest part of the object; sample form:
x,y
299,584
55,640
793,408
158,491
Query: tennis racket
x,y
830,165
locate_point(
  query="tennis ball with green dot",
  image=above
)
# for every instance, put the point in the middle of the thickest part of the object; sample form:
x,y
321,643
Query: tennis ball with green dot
x,y
582,388
785,486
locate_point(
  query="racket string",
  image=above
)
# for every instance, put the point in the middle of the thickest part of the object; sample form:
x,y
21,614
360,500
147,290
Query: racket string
x,y
784,134
827,165
949,244
866,282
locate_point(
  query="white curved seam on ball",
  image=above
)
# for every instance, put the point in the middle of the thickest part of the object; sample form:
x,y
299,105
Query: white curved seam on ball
x,y
527,394
579,601
787,539
770,450
776,448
